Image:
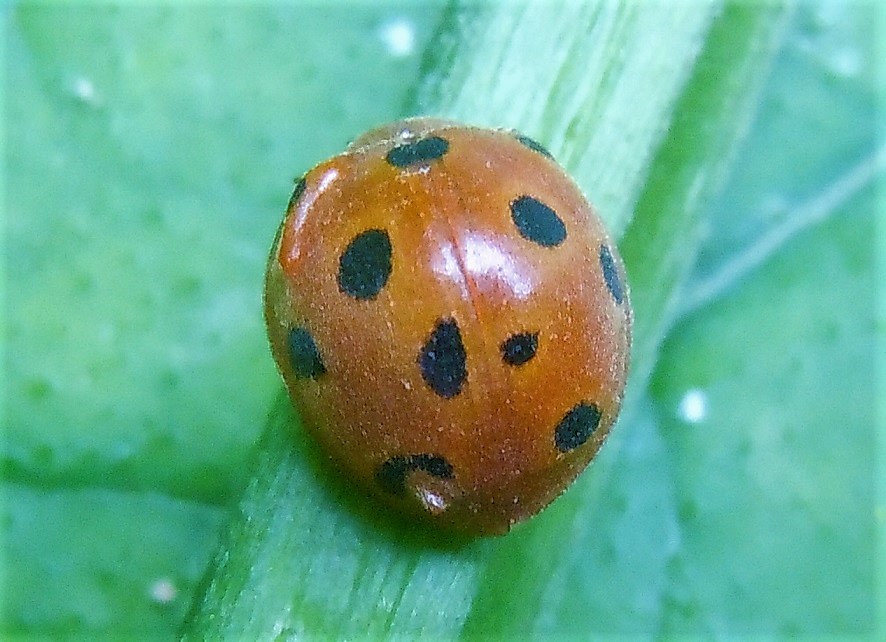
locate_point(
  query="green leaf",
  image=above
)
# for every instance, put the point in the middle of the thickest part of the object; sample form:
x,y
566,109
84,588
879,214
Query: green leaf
x,y
733,149
765,390
139,548
771,443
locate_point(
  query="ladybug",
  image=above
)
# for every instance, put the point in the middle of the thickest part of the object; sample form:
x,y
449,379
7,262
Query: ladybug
x,y
451,319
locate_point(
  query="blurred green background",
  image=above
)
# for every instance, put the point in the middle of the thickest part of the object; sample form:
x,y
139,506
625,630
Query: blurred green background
x,y
150,151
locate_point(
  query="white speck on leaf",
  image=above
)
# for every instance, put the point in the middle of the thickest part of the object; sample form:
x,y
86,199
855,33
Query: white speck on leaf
x,y
398,36
84,89
693,406
163,591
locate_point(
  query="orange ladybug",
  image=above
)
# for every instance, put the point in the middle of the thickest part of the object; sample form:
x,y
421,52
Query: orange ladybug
x,y
451,320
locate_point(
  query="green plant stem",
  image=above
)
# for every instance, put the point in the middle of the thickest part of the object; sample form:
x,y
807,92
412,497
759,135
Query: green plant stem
x,y
602,85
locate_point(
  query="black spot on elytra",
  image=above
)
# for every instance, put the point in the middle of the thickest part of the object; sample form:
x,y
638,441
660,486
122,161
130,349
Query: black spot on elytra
x,y
576,427
537,222
517,349
533,144
365,265
420,151
304,355
443,361
391,475
297,193
610,274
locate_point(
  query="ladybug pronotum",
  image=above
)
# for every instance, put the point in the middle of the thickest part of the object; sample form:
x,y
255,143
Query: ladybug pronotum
x,y
451,320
